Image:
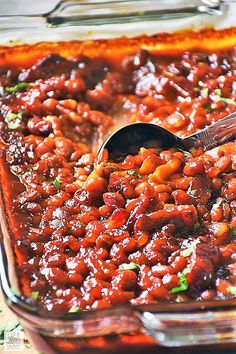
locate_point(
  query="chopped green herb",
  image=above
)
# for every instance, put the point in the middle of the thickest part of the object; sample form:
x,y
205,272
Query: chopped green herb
x,y
130,266
192,192
219,98
233,231
207,108
34,295
133,173
183,283
218,92
13,119
13,125
197,225
13,116
168,73
203,91
56,183
74,309
188,251
218,203
232,290
17,88
227,100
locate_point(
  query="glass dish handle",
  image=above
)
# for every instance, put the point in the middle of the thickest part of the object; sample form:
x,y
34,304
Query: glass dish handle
x,y
78,13
191,327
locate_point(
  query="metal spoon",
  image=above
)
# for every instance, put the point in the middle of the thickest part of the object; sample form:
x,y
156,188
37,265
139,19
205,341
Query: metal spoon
x,y
129,139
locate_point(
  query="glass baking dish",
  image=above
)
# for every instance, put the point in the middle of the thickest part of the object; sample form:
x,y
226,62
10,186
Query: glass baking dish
x,y
208,326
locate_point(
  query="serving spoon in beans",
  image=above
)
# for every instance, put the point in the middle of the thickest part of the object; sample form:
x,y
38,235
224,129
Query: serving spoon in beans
x,y
129,139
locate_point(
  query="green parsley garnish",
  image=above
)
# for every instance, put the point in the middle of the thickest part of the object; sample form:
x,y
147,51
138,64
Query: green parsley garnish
x,y
13,116
232,290
207,108
203,91
218,92
17,88
13,125
218,203
219,98
56,183
34,295
168,73
130,266
191,247
183,283
233,231
133,173
74,309
192,192
13,119
197,225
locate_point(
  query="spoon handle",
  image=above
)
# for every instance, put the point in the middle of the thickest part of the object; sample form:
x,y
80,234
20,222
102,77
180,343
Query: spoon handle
x,y
216,134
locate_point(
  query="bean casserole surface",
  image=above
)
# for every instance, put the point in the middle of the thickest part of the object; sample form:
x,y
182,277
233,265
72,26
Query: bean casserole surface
x,y
159,225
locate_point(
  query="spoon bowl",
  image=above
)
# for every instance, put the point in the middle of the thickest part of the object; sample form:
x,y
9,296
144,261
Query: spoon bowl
x,y
129,139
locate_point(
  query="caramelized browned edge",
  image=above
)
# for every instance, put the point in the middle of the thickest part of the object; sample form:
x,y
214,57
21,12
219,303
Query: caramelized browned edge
x,y
206,39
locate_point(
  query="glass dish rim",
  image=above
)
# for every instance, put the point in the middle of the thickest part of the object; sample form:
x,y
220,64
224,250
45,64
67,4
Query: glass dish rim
x,y
20,304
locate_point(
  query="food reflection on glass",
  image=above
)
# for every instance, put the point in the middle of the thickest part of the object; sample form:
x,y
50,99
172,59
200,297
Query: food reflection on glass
x,y
158,225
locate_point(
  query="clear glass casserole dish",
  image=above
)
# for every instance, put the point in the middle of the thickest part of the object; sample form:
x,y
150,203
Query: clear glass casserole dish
x,y
211,324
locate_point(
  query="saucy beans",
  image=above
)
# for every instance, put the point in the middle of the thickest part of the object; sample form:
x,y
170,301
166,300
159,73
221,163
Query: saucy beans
x,y
158,225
